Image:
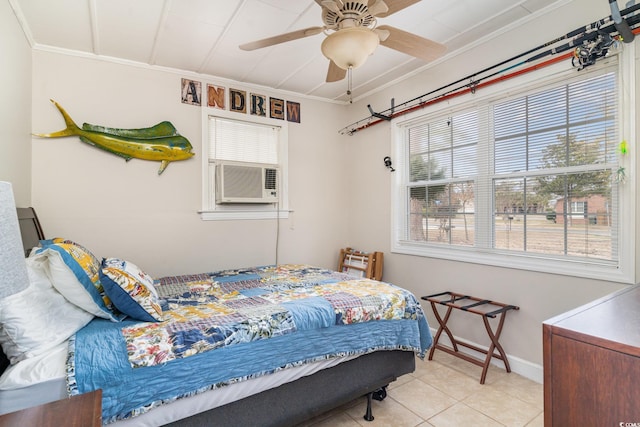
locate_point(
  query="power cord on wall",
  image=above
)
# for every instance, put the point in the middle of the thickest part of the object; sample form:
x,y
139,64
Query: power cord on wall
x,y
277,230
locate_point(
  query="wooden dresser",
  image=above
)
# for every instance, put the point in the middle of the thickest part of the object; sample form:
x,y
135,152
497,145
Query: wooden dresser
x,y
592,363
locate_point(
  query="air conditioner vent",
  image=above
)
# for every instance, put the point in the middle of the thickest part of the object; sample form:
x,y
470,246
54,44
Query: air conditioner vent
x,y
238,182
270,178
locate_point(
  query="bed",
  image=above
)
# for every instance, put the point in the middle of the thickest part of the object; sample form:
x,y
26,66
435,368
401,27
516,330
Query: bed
x,y
270,345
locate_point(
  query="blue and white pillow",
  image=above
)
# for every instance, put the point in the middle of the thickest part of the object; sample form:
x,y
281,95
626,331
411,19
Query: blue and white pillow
x,y
75,273
131,290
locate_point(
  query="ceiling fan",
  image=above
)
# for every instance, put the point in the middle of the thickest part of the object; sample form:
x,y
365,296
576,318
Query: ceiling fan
x,y
353,34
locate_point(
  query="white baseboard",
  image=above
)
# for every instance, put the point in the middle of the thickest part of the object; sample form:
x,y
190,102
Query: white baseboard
x,y
523,367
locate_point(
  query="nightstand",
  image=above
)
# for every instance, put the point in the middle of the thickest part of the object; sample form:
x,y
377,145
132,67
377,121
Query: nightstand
x,y
83,410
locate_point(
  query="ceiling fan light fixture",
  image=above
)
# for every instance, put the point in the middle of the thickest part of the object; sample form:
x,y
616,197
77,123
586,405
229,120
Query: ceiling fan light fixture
x,y
350,47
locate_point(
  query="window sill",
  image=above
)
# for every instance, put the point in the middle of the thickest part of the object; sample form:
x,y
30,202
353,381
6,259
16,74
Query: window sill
x,y
236,215
542,264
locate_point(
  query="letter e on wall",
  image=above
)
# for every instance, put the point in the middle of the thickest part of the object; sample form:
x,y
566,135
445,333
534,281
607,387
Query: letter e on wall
x,y
276,108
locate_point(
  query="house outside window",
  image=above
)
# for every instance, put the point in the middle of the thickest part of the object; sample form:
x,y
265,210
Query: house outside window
x,y
243,141
526,180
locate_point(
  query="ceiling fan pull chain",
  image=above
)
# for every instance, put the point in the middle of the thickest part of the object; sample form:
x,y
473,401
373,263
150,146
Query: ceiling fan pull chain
x,y
349,84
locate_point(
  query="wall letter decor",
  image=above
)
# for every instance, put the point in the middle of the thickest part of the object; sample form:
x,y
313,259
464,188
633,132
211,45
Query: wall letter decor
x,y
293,111
215,96
191,92
276,108
237,100
258,107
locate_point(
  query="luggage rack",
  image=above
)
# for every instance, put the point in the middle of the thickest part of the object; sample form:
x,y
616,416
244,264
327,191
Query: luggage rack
x,y
480,306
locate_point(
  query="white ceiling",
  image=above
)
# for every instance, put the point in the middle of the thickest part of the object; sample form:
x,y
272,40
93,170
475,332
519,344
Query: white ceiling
x,y
202,36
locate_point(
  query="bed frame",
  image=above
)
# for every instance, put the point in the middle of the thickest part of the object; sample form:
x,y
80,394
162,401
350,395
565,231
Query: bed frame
x,y
307,397
290,403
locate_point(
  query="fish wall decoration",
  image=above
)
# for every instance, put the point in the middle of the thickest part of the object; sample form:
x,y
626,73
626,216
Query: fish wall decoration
x,y
160,143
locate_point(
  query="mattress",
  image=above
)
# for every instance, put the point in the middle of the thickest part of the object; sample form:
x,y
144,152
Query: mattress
x,y
36,394
52,385
34,381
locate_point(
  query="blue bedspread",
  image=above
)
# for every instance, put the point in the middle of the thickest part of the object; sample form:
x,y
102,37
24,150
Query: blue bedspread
x,y
229,326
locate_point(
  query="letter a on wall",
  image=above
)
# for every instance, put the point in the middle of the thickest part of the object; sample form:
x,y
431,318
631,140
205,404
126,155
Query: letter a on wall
x,y
191,92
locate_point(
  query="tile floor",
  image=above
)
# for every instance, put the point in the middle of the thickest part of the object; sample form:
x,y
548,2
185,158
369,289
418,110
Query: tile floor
x,y
446,392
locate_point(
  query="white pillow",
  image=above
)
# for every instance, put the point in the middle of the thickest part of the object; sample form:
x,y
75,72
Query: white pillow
x,y
38,318
37,369
74,272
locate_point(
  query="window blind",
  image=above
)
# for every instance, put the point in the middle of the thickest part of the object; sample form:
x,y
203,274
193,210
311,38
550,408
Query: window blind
x,y
242,141
555,151
444,163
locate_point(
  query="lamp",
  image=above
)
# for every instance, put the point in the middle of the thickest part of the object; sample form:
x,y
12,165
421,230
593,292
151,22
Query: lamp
x,y
13,267
350,47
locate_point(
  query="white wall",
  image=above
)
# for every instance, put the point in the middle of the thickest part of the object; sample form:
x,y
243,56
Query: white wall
x,y
539,295
124,209
15,106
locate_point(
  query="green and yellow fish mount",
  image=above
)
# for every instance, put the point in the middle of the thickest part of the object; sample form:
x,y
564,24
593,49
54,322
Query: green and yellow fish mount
x,y
160,143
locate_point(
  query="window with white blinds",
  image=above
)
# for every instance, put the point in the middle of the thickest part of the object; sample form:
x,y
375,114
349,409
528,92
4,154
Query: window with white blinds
x,y
443,164
248,140
242,141
533,178
555,159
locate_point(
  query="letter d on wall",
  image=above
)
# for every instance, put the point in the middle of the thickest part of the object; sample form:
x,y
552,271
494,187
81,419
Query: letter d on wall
x,y
237,99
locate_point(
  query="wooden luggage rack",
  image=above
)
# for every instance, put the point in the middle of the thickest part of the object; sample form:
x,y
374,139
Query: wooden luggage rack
x,y
361,264
482,307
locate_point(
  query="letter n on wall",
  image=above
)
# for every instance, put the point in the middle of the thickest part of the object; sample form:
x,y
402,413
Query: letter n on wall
x,y
215,96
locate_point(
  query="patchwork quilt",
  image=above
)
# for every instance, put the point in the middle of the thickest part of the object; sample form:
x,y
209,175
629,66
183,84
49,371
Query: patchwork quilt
x,y
245,323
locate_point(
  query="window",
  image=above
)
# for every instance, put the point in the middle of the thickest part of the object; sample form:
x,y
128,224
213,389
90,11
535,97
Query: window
x,y
527,180
578,207
230,137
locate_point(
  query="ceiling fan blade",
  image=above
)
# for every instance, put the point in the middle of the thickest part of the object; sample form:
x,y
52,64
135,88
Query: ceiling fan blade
x,y
338,3
282,38
335,73
331,5
411,44
392,5
378,7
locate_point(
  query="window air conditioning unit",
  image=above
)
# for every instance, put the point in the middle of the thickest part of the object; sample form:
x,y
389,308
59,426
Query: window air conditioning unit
x,y
238,182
